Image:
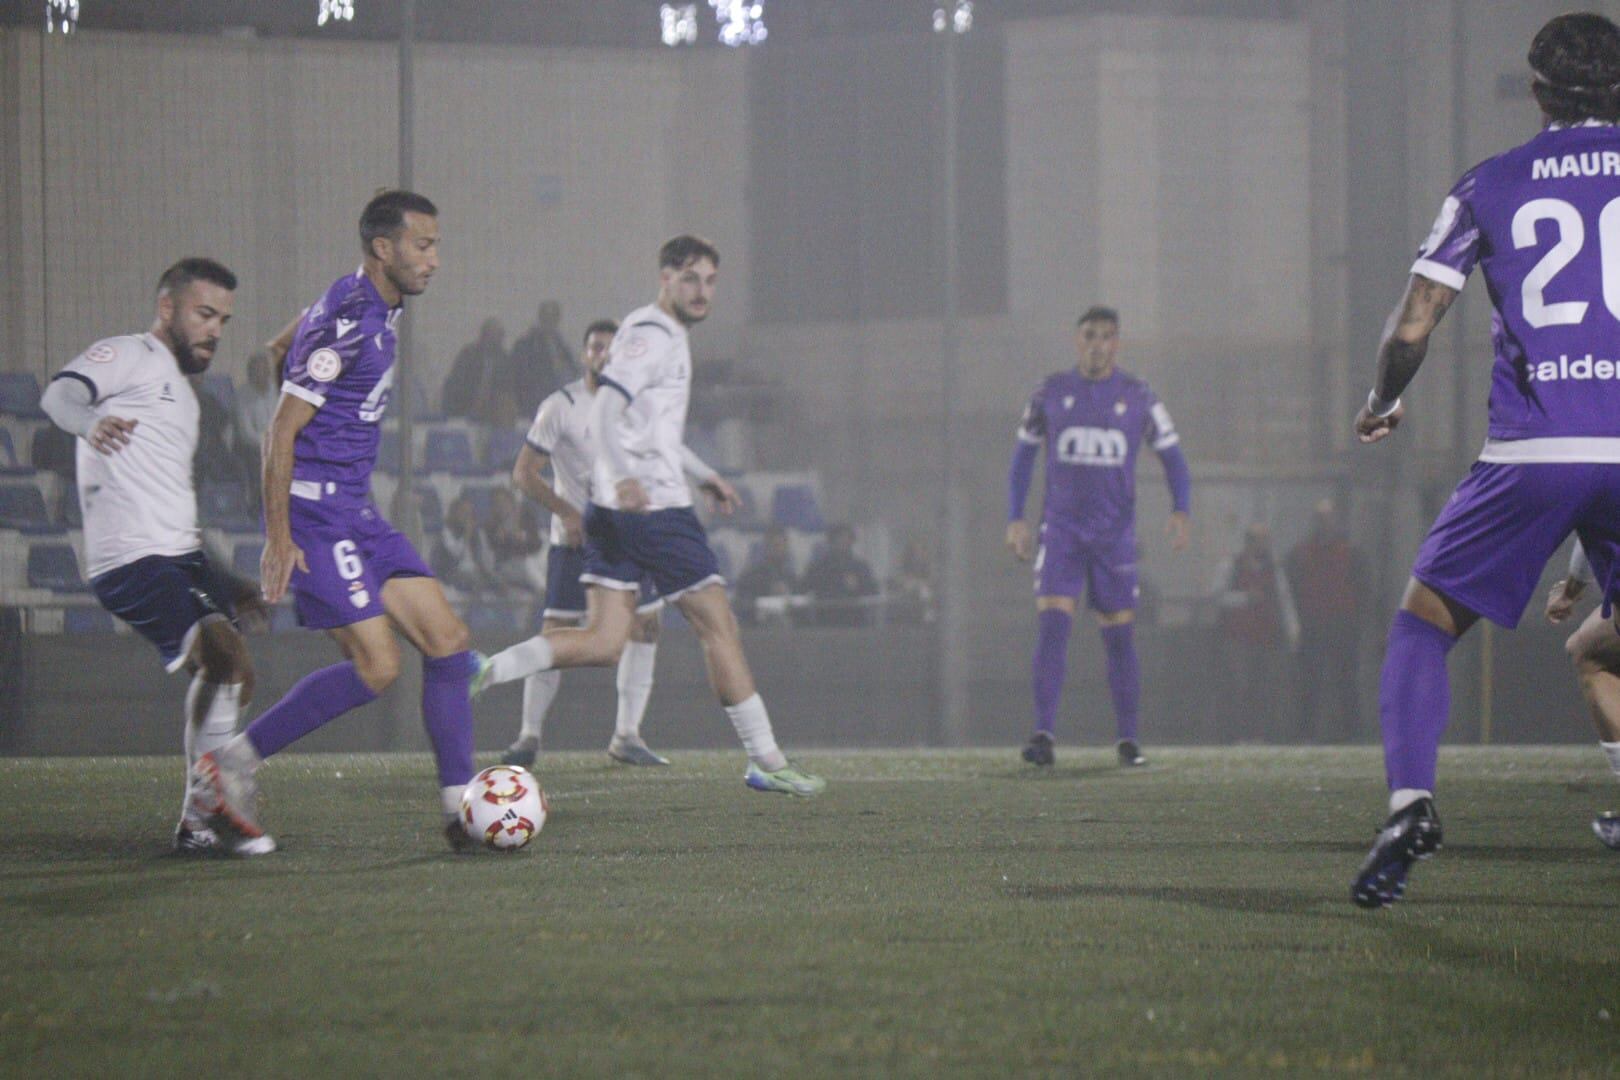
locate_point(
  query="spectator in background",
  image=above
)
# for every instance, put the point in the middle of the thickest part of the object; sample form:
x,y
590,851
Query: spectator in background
x,y
515,542
474,383
541,361
1327,577
838,578
462,556
1258,626
911,589
215,463
255,405
770,573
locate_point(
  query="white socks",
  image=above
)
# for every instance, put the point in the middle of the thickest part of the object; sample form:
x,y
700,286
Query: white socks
x,y
212,710
450,799
753,726
635,682
521,660
539,691
219,714
1401,798
1611,750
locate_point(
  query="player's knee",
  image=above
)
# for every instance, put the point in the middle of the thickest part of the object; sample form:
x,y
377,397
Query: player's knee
x,y
447,639
606,645
377,670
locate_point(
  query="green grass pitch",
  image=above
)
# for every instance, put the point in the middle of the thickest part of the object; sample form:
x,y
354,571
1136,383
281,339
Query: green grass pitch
x,y
936,913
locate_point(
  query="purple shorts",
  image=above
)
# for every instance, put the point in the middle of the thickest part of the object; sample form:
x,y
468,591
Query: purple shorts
x,y
1067,565
1487,548
351,550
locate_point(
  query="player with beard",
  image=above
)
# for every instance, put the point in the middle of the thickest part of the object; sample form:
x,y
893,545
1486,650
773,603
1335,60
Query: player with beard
x,y
560,438
129,401
350,572
639,521
1538,220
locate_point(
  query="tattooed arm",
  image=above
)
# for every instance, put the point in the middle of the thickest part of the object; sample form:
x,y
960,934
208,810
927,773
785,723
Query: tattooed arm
x,y
1406,342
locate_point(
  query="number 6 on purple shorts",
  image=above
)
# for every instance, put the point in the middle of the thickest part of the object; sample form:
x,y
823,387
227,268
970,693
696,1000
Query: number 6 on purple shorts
x,y
352,551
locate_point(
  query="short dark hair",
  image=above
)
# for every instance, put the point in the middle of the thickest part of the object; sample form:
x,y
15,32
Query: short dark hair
x,y
600,326
385,214
1575,60
196,268
684,250
1098,313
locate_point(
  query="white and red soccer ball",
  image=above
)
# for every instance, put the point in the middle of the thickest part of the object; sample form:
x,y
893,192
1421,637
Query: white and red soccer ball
x,y
504,807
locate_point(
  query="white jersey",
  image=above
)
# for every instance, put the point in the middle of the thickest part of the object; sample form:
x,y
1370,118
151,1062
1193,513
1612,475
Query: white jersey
x,y
562,431
651,365
139,500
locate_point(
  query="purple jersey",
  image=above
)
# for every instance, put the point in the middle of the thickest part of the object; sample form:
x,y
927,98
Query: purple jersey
x,y
342,362
1093,429
1543,223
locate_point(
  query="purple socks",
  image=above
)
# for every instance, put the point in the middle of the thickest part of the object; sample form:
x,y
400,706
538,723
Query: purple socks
x,y
1124,677
1414,700
330,692
319,697
447,714
1051,654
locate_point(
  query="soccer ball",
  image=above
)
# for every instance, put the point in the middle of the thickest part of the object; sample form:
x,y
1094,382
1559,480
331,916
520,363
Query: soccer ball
x,y
504,806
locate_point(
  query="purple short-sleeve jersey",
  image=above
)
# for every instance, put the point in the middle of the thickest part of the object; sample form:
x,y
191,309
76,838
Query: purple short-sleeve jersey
x,y
1093,430
342,362
1542,221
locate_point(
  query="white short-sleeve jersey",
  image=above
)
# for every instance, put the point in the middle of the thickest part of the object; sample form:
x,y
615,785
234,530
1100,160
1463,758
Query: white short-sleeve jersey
x,y
562,431
139,500
651,365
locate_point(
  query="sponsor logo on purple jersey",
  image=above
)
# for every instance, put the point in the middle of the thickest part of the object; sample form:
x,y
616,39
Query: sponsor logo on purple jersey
x,y
1093,430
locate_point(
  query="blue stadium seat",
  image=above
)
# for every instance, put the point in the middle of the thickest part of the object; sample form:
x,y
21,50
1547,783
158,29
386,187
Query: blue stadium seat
x,y
10,463
451,452
223,389
22,506
54,567
388,452
794,506
431,509
245,558
502,449
225,506
19,395
68,510
86,620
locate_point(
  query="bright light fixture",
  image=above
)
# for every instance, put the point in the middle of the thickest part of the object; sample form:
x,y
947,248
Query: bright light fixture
x,y
335,11
679,23
741,22
61,16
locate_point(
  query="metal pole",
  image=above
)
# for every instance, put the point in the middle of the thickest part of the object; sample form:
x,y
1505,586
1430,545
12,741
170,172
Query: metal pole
x,y
409,520
954,652
404,709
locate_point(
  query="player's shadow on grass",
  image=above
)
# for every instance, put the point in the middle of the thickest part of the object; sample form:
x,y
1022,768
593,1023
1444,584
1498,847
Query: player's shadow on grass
x,y
1270,900
1248,900
1030,773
